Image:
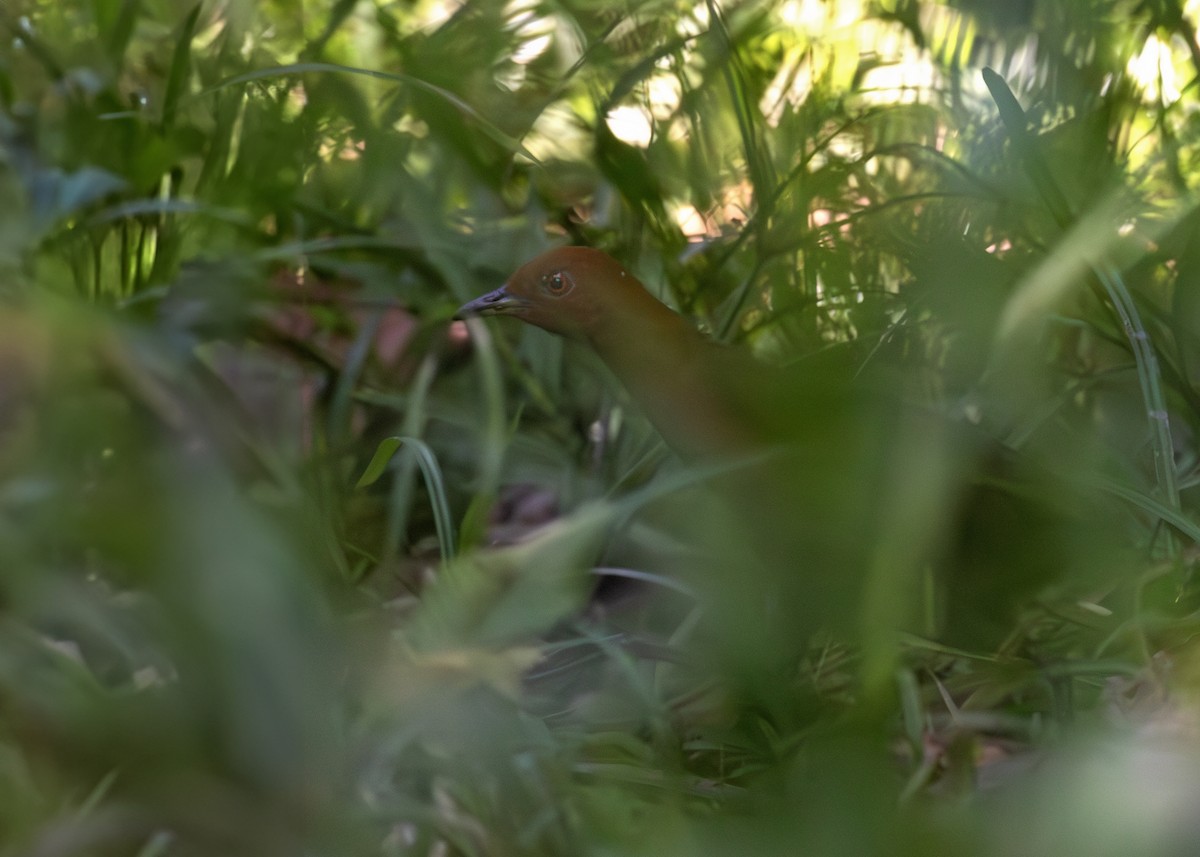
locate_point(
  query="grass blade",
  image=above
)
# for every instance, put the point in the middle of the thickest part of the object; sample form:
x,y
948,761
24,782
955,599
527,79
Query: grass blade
x,y
181,67
432,472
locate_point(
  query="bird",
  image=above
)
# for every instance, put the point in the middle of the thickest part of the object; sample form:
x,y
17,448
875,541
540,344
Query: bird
x,y
798,484
854,494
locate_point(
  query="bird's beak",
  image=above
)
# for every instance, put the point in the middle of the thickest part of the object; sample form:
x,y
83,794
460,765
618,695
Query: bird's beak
x,y
498,302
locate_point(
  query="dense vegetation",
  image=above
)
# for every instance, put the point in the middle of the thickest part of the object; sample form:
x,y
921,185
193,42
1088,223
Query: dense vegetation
x,y
247,462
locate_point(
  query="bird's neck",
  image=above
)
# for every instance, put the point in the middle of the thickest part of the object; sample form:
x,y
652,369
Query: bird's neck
x,y
669,369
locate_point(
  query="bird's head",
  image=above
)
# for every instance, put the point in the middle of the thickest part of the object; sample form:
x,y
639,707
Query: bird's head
x,y
568,291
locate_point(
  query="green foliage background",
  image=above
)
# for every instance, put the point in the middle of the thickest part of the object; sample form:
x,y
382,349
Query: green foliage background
x,y
239,615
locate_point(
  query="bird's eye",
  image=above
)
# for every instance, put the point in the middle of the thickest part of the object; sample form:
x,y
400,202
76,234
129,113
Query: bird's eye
x,y
557,284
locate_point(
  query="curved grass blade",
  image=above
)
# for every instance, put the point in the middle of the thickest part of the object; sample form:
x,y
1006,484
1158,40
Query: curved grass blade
x,y
326,243
347,380
181,67
432,472
1173,517
400,499
647,577
1149,379
141,207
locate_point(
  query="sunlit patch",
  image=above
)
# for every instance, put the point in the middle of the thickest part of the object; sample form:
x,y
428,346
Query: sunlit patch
x,y
951,34
726,217
557,133
631,124
809,16
906,81
1154,71
533,31
411,126
820,217
342,150
530,50
436,12
695,225
663,94
297,100
207,36
659,99
694,22
837,39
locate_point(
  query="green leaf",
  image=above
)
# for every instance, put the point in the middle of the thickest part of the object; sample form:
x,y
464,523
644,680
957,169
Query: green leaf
x,y
433,480
118,28
501,596
379,461
181,68
1016,124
